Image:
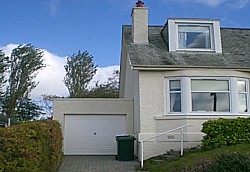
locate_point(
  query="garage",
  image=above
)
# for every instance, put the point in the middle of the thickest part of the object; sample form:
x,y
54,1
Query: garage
x,y
92,134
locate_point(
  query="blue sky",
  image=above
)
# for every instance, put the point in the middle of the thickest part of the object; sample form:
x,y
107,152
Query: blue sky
x,y
62,27
65,26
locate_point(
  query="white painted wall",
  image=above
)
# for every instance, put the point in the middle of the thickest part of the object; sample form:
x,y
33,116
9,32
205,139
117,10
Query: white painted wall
x,y
123,68
153,116
131,91
129,88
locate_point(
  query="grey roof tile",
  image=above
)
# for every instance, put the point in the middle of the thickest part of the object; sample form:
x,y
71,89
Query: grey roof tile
x,y
235,50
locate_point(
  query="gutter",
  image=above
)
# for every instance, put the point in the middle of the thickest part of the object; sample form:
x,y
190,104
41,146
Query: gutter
x,y
173,68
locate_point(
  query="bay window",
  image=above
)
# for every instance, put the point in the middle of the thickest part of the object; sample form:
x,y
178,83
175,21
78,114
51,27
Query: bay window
x,y
242,95
175,95
208,95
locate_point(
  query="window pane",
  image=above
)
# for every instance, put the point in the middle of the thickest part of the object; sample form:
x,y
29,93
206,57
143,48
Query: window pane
x,y
242,103
175,85
175,102
217,102
209,85
194,37
241,86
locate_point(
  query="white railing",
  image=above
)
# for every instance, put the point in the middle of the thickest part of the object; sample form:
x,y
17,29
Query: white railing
x,y
181,140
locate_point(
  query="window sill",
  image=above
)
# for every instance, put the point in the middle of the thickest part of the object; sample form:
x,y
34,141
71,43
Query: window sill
x,y
195,50
200,116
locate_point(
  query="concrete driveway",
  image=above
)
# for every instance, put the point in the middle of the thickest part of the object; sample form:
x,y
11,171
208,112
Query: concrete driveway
x,y
96,164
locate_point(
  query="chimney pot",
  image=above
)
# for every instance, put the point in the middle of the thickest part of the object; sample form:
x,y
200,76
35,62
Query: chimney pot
x,y
139,3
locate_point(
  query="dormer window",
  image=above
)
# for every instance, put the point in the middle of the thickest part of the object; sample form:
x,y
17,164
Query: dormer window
x,y
194,35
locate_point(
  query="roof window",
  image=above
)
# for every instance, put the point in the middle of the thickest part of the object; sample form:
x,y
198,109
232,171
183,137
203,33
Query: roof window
x,y
194,35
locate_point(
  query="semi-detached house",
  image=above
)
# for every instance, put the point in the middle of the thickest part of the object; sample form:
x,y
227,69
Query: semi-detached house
x,y
185,72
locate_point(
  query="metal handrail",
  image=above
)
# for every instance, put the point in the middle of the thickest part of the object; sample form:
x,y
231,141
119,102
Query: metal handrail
x,y
182,138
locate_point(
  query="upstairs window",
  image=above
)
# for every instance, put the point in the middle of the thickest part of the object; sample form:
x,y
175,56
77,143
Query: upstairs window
x,y
194,37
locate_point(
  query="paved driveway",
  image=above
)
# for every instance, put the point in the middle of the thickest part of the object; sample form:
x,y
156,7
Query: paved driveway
x,y
96,164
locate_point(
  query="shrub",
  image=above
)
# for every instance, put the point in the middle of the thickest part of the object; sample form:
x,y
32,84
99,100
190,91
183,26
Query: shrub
x,y
31,146
1,135
230,162
200,165
55,138
224,132
1,132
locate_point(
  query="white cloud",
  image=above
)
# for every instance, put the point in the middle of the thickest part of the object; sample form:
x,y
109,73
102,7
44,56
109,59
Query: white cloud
x,y
215,3
103,73
51,77
211,3
239,3
8,48
53,6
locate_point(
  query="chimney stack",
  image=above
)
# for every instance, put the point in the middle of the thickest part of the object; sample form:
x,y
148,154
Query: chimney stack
x,y
140,23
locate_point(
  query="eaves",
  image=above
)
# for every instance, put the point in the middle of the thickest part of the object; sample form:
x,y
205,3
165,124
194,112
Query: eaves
x,y
173,67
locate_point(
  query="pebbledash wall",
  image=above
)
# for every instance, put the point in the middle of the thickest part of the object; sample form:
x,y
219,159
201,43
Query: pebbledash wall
x,y
153,117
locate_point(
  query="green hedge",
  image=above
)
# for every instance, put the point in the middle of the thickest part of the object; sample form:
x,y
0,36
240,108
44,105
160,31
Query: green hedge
x,y
1,135
224,132
31,146
236,161
1,132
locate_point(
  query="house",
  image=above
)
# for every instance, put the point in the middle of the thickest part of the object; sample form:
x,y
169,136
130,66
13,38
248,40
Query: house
x,y
185,72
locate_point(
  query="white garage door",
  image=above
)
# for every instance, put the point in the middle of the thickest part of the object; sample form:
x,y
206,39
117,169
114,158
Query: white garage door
x,y
92,134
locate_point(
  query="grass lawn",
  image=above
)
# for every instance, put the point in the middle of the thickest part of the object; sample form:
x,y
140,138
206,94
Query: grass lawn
x,y
192,158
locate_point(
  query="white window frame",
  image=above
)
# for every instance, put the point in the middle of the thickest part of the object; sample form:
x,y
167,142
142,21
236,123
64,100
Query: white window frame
x,y
186,96
215,79
246,92
210,26
214,28
169,93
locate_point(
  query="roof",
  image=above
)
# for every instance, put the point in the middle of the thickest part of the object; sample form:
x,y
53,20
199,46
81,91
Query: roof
x,y
235,51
